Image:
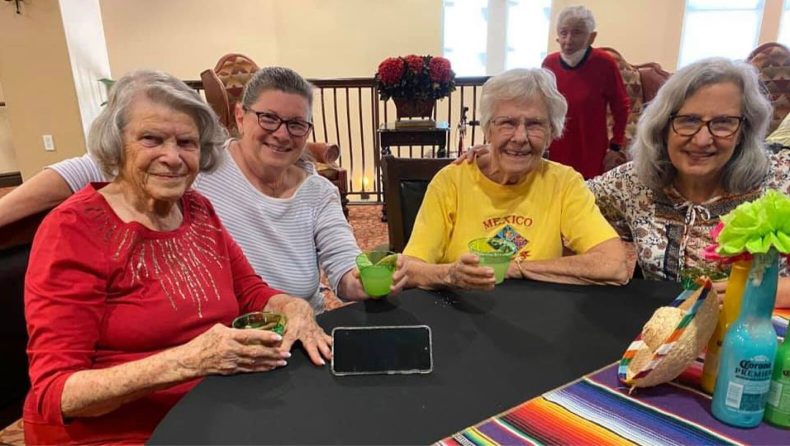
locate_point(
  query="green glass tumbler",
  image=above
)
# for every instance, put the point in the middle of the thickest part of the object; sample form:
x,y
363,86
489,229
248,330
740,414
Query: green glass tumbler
x,y
495,254
262,320
375,271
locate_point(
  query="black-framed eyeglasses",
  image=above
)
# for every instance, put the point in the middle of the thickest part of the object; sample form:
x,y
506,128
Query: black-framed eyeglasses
x,y
271,122
720,126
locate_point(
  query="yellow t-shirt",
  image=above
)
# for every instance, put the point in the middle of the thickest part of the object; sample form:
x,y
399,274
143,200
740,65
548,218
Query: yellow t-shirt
x,y
550,205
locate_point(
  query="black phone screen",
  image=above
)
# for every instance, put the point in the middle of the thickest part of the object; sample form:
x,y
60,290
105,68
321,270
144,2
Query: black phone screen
x,y
371,350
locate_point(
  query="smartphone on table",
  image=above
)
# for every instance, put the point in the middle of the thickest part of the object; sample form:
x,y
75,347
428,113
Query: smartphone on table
x,y
382,350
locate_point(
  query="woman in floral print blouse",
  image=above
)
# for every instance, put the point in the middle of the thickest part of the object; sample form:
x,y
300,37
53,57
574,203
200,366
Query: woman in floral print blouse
x,y
698,154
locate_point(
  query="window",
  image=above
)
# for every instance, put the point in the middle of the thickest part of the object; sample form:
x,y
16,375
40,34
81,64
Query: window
x,y
727,28
486,37
784,26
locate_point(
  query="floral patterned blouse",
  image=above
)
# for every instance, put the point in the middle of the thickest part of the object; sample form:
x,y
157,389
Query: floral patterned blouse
x,y
668,231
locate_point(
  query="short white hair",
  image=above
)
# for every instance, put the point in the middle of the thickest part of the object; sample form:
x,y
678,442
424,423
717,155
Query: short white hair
x,y
524,84
577,13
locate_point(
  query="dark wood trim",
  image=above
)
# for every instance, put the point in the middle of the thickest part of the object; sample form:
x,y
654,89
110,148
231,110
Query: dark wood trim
x,y
20,232
10,179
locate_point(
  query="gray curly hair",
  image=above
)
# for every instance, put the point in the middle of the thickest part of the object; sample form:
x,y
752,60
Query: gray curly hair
x,y
749,163
105,139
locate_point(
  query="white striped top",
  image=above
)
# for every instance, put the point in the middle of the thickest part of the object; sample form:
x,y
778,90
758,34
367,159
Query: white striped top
x,y
286,240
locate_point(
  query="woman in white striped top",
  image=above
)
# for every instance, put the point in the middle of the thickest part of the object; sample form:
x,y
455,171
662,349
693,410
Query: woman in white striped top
x,y
286,218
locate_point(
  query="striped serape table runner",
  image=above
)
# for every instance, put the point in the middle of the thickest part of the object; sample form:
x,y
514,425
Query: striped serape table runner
x,y
597,409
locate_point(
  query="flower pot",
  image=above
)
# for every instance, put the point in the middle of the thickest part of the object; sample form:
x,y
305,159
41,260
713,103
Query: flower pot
x,y
414,108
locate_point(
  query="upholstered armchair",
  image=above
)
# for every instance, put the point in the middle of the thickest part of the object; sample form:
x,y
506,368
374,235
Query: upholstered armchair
x,y
772,60
641,83
325,158
224,84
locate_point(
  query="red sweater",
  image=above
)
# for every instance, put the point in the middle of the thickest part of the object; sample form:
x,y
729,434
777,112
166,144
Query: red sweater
x,y
588,87
100,292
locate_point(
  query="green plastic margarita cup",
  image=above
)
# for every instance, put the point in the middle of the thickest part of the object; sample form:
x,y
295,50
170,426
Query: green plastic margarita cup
x,y
497,258
375,271
262,320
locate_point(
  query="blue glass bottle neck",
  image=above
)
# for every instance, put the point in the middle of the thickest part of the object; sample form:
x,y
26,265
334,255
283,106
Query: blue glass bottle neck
x,y
759,296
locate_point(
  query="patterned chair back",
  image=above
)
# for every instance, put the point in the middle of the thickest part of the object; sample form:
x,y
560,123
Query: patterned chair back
x,y
235,70
641,84
772,60
225,83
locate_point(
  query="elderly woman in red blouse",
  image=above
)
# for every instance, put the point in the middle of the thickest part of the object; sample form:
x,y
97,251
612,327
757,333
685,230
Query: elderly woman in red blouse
x,y
132,285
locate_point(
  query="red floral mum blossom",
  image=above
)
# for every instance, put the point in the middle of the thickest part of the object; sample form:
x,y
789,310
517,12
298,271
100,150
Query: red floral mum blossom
x,y
440,69
414,62
415,77
391,70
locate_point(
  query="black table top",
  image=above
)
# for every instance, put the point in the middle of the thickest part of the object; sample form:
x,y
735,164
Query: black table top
x,y
492,351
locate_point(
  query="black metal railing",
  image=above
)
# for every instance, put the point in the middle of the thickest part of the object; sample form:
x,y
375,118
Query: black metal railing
x,y
348,112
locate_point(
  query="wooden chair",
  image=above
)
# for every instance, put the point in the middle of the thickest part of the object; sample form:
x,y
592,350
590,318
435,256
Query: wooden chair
x,y
224,85
325,158
772,60
405,183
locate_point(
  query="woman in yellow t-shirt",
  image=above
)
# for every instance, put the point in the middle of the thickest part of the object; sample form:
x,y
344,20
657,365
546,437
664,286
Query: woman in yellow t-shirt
x,y
517,196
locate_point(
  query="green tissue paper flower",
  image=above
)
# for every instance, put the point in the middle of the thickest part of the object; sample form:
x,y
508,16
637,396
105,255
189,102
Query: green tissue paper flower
x,y
757,226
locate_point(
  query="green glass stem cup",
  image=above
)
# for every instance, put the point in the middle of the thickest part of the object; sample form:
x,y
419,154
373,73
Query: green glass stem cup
x,y
262,320
498,259
376,276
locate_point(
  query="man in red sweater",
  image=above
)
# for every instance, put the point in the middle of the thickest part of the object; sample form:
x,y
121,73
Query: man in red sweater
x,y
590,81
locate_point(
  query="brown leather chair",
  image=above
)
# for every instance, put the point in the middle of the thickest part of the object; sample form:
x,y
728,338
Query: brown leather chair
x,y
772,60
641,84
325,158
224,84
405,183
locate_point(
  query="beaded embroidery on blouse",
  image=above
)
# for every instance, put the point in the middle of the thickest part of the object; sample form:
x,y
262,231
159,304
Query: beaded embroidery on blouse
x,y
177,263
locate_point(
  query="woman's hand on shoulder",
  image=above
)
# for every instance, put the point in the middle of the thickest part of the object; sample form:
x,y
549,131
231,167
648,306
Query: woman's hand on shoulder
x,y
223,350
302,327
471,155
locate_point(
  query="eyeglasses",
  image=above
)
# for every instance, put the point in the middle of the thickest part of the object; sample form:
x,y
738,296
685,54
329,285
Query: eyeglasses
x,y
720,126
507,126
271,122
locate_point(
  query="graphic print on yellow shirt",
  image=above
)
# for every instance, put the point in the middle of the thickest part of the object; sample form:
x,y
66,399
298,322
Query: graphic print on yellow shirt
x,y
551,205
510,234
